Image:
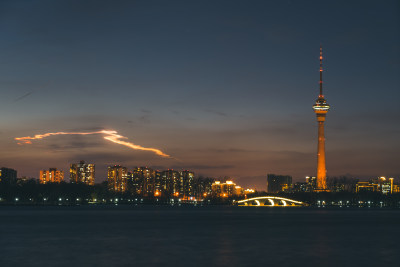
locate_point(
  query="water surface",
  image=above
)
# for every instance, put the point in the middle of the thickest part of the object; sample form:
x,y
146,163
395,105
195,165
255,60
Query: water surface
x,y
197,236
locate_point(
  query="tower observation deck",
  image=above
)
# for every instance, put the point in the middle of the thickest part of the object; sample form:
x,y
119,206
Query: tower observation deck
x,y
321,108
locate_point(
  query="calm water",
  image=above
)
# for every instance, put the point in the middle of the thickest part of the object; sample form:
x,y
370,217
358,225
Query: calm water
x,y
198,236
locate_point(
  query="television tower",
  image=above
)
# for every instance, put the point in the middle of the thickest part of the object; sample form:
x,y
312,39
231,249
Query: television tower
x,y
321,108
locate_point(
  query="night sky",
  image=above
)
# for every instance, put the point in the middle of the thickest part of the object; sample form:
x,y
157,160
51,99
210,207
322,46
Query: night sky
x,y
224,87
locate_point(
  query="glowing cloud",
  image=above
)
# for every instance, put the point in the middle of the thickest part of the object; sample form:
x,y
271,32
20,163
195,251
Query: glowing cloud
x,y
109,135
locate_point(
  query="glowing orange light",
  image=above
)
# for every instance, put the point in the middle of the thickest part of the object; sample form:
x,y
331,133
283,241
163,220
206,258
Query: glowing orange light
x,y
110,135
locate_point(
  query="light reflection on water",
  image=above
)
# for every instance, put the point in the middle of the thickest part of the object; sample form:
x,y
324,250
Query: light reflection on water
x,y
197,236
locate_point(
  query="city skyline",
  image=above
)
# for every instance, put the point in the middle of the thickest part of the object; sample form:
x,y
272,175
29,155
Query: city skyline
x,y
224,88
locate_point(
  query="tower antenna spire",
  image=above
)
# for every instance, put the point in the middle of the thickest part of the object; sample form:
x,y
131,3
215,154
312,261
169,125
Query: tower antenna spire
x,y
320,71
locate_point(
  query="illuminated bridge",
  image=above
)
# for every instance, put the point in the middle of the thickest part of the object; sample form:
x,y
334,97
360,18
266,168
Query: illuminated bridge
x,y
267,201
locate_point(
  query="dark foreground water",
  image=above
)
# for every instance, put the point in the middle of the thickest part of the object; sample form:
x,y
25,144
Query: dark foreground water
x,y
198,236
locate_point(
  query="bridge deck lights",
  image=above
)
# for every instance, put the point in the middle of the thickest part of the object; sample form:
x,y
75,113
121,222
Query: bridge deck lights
x,y
269,201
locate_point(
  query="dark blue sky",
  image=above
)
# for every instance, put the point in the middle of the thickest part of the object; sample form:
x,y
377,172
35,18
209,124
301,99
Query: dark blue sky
x,y
226,87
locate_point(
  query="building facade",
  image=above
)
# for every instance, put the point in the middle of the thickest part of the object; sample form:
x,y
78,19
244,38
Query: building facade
x,y
226,189
146,182
381,184
142,181
117,178
202,187
186,183
51,176
82,173
170,183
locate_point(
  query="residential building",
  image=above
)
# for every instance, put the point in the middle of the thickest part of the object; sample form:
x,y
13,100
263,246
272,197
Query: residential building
x,y
117,178
82,173
51,176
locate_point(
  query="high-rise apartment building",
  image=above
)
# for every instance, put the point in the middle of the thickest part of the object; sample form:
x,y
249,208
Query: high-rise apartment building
x,y
186,183
82,173
202,187
147,182
117,178
142,181
135,183
170,182
148,177
51,176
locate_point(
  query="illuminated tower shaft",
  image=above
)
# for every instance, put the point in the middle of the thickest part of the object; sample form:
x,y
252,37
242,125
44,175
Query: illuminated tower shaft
x,y
321,108
321,167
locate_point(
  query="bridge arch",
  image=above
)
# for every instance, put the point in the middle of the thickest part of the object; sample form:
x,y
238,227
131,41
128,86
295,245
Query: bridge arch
x,y
270,201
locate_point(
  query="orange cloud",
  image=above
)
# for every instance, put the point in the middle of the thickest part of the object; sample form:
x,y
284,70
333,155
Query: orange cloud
x,y
109,135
